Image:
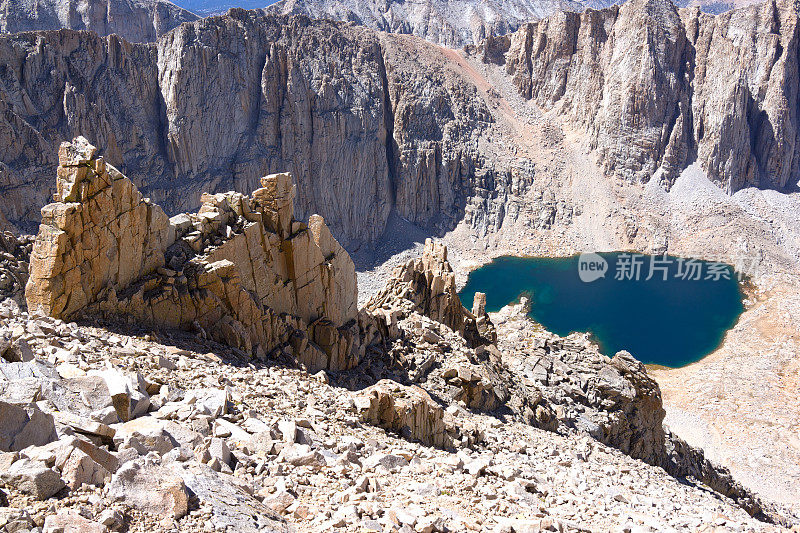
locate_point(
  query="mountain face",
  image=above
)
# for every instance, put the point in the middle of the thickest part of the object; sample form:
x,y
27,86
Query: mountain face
x,y
452,23
365,124
656,89
134,20
373,125
457,23
714,7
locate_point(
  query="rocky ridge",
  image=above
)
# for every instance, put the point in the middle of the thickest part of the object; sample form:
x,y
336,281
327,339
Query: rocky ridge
x,y
77,415
458,23
137,21
242,271
451,23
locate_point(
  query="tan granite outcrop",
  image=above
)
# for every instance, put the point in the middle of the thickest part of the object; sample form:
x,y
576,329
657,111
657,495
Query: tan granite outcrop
x,y
99,232
428,282
408,410
242,270
427,285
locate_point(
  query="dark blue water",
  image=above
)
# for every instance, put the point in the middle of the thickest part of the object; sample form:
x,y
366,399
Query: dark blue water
x,y
670,322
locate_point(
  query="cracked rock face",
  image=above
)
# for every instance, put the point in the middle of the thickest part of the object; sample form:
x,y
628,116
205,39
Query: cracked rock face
x,y
100,232
365,122
134,20
656,88
457,23
430,284
409,411
403,127
452,23
15,253
242,270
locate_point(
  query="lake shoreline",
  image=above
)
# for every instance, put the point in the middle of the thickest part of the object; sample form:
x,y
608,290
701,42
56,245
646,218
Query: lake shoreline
x,y
624,301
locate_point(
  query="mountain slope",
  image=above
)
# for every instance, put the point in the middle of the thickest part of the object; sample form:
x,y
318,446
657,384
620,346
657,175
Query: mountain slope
x,y
452,23
656,89
134,20
219,103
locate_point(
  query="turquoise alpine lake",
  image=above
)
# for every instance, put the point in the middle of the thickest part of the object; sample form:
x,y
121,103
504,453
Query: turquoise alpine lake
x,y
664,310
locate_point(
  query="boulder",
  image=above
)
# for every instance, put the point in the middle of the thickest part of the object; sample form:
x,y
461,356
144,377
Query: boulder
x,y
150,488
85,426
214,452
80,468
480,389
21,391
31,369
71,522
301,455
119,391
233,508
21,427
209,402
80,395
153,434
18,351
409,411
388,461
280,501
79,461
112,519
33,478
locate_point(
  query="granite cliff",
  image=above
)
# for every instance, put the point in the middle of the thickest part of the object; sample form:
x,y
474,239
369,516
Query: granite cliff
x,y
656,88
452,23
216,104
372,125
458,23
138,21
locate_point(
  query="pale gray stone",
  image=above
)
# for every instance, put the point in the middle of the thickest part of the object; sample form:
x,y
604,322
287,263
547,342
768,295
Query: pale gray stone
x,y
34,478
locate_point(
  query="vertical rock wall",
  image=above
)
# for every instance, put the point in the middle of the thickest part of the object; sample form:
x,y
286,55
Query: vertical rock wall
x,y
365,123
372,123
133,20
657,88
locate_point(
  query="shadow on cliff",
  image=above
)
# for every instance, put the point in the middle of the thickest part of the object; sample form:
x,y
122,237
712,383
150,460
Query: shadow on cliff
x,y
377,364
398,236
